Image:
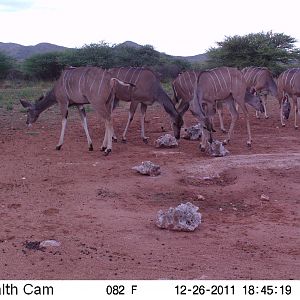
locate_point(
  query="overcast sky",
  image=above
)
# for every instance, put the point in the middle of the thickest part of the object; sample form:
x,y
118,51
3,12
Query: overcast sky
x,y
176,27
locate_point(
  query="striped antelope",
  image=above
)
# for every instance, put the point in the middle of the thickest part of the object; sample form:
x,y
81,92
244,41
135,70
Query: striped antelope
x,y
288,84
147,90
260,80
221,84
183,87
76,87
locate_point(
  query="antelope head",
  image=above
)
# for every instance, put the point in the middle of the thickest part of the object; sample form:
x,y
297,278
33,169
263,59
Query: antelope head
x,y
254,100
32,113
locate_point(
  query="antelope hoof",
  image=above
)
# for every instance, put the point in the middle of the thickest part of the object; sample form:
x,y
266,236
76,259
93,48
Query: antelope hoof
x,y
296,127
107,151
91,147
163,129
202,148
114,139
213,130
224,130
124,140
58,147
145,140
103,148
266,117
282,125
249,144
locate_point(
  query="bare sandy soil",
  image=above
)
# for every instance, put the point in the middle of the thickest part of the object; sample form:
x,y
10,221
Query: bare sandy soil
x,y
103,212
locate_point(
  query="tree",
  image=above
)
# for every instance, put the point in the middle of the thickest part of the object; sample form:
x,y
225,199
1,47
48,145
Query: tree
x,y
98,55
272,50
6,65
44,66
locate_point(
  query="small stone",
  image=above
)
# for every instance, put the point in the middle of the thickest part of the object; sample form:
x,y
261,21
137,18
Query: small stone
x,y
216,149
166,141
200,197
184,217
50,243
148,168
264,197
193,133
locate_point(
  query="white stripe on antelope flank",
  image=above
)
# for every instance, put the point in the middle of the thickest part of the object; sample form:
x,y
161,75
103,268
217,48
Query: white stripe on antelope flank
x,y
68,78
127,74
287,74
292,81
130,80
230,78
79,84
92,84
187,87
246,74
226,86
138,77
119,72
99,88
214,84
217,77
251,76
65,83
261,72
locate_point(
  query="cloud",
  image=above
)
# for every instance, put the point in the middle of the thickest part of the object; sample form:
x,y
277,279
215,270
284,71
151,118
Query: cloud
x,y
15,5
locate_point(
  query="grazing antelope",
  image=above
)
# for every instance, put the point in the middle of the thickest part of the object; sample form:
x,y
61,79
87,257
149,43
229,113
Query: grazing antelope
x,y
221,84
260,80
288,84
147,90
76,87
184,85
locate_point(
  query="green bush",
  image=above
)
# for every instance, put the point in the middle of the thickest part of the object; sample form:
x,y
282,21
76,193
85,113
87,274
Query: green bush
x,y
6,65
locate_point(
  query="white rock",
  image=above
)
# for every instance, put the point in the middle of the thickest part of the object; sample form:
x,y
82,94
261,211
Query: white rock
x,y
50,243
194,132
184,217
264,197
216,148
148,168
166,141
200,197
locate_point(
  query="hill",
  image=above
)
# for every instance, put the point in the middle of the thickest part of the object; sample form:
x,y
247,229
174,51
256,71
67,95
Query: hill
x,y
21,52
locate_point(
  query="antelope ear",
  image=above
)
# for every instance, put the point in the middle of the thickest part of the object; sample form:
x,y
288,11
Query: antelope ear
x,y
25,103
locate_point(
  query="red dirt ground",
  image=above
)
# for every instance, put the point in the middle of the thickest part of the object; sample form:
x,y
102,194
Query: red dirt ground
x,y
103,212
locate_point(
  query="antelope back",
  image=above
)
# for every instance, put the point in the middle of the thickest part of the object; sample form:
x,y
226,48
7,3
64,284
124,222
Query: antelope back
x,y
219,83
289,82
184,85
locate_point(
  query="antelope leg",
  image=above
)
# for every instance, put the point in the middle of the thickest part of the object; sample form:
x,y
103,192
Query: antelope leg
x,y
82,115
62,133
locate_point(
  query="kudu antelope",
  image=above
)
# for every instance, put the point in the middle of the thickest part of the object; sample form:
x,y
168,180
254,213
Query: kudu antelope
x,y
76,87
221,84
147,90
260,80
184,85
288,84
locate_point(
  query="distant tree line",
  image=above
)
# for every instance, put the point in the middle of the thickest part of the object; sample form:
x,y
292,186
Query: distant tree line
x,y
275,51
49,66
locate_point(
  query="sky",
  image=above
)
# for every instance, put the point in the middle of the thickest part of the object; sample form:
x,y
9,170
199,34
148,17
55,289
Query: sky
x,y
176,27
